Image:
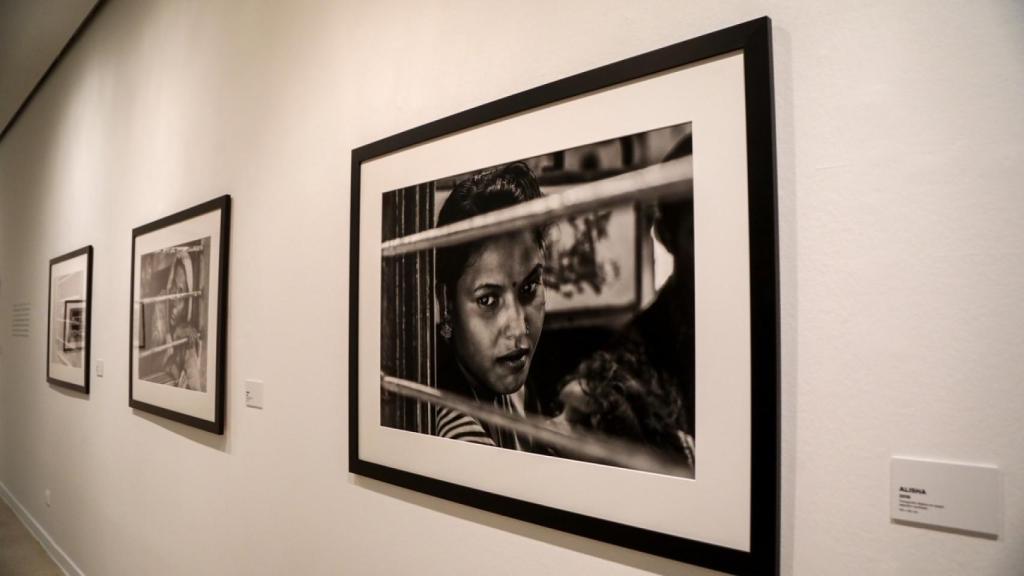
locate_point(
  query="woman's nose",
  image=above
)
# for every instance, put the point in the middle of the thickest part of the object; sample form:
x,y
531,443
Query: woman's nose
x,y
515,321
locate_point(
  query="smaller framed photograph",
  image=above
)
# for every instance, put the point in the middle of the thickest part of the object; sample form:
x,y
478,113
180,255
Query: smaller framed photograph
x,y
67,342
178,315
74,325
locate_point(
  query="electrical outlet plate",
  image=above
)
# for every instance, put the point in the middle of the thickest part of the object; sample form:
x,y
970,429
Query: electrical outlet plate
x,y
254,393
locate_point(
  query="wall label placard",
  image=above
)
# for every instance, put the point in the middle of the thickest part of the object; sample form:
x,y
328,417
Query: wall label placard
x,y
21,316
964,497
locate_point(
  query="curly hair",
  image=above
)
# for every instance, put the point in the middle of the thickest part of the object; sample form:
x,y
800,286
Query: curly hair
x,y
630,400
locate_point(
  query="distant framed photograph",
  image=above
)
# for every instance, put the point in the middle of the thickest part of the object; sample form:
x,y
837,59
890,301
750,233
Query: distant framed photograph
x,y
564,305
74,325
67,343
179,314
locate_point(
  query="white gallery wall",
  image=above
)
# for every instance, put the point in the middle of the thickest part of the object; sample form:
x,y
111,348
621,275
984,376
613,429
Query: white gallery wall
x,y
900,140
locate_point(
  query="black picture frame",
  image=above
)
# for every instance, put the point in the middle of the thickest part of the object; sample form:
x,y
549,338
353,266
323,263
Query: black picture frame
x,y
86,348
753,41
216,273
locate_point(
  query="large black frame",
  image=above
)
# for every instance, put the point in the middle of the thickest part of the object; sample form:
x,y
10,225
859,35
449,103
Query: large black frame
x,y
216,426
753,39
87,349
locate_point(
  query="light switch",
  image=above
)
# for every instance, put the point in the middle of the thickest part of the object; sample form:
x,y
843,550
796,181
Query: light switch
x,y
99,368
254,393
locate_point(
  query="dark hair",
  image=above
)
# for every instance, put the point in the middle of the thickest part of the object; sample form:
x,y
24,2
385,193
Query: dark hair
x,y
676,216
485,191
631,400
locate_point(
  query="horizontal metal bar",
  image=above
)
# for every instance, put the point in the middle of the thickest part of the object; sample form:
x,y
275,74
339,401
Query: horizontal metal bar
x,y
161,348
154,299
178,249
587,445
668,180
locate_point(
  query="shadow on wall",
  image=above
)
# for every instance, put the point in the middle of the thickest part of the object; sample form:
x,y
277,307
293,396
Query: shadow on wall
x,y
540,534
215,441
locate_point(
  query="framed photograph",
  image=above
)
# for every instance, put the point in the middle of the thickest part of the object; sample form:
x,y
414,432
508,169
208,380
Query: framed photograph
x,y
67,342
74,325
564,305
178,315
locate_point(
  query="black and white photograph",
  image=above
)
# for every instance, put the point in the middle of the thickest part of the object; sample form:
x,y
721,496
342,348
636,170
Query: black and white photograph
x,y
68,327
173,321
74,327
569,338
178,282
563,305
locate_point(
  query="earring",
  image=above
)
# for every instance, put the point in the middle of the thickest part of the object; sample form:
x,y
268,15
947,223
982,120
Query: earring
x,y
446,319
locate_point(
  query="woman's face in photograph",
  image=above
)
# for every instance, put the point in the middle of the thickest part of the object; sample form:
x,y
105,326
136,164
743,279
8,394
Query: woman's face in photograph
x,y
499,311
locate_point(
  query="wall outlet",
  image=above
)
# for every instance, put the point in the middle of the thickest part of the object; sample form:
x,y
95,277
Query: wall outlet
x,y
47,496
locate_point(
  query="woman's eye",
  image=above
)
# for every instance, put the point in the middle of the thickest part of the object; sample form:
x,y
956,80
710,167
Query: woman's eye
x,y
486,301
530,289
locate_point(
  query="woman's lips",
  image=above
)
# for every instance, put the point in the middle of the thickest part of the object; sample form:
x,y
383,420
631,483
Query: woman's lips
x,y
515,360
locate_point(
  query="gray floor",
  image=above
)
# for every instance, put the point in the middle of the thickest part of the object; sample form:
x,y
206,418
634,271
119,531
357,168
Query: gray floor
x,y
20,553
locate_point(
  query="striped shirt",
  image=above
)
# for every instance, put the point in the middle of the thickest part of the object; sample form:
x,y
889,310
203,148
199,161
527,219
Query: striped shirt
x,y
458,426
461,426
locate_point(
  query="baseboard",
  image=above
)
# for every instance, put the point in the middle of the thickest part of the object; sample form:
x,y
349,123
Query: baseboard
x,y
59,557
